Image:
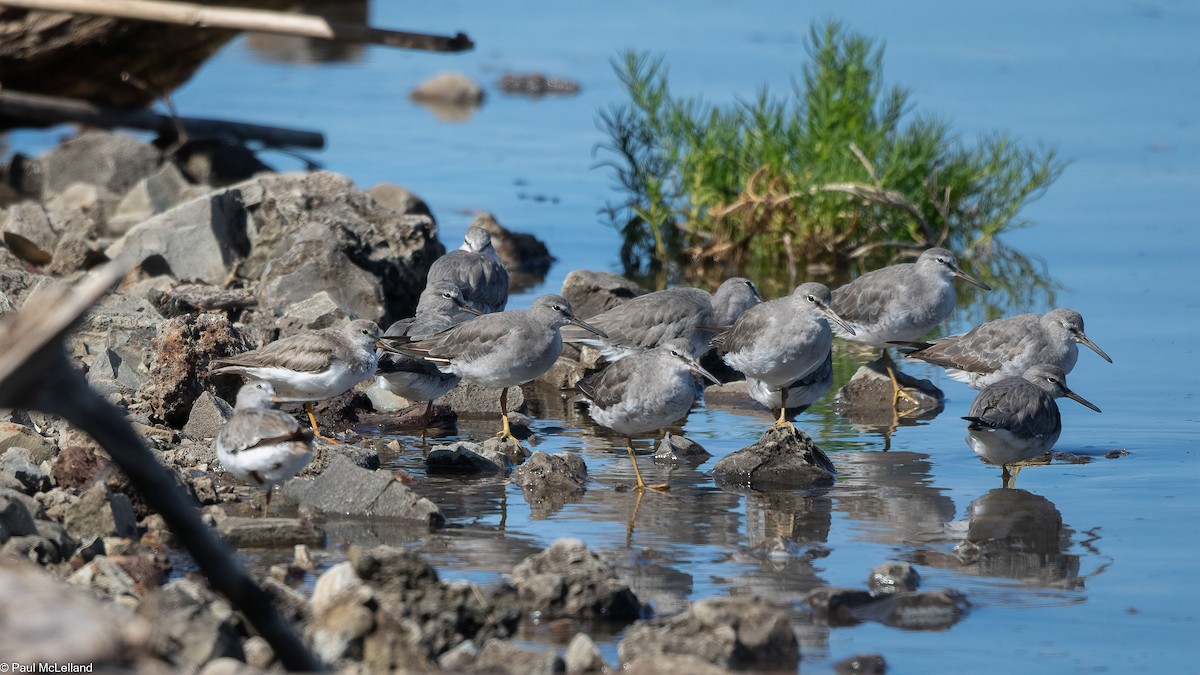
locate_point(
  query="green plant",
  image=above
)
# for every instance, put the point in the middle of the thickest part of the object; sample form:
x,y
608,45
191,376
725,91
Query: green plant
x,y
838,175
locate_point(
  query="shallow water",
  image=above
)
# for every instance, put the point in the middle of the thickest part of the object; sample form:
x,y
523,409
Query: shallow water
x,y
1101,580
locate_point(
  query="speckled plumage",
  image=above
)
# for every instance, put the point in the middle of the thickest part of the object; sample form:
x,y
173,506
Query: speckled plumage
x,y
1008,347
1017,418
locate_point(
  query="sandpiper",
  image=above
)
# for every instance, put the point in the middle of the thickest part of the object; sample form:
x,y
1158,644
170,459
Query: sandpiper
x,y
476,269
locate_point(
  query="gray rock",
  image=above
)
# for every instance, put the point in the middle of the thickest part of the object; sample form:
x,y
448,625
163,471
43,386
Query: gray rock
x,y
101,633
100,512
154,194
536,84
448,89
200,239
125,579
32,547
269,532
18,463
464,457
505,657
930,610
564,374
16,517
258,652
742,632
671,663
399,199
891,577
312,313
460,657
583,656
28,234
229,666
83,198
192,624
569,580
114,162
591,293
311,268
678,450
784,458
198,299
14,435
349,490
524,255
470,400
837,605
78,247
549,482
868,396
293,604
110,373
861,664
209,415
360,454
323,213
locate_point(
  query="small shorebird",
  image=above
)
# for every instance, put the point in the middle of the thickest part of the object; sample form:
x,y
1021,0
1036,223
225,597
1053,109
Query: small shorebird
x,y
644,392
476,269
653,319
311,366
500,350
261,445
781,341
799,394
1016,419
1008,347
900,303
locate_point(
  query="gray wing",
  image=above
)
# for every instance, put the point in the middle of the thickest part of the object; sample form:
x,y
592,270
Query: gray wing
x,y
249,429
748,329
650,320
1017,406
609,386
983,349
864,300
483,280
304,353
471,340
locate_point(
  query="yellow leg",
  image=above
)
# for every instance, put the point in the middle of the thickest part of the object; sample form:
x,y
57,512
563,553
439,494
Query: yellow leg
x,y
1009,476
312,419
641,484
506,431
898,391
633,517
267,503
783,420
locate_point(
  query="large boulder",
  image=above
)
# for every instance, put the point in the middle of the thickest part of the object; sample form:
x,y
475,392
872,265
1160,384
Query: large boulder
x,y
111,161
569,580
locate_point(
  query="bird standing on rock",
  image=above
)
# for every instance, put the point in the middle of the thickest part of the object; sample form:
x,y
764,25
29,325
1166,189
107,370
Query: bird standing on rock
x,y
644,392
900,303
311,366
500,350
261,445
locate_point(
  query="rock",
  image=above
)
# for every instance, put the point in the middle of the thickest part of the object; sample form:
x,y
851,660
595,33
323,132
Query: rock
x,y
453,89
399,200
100,512
229,666
677,450
505,657
269,532
930,610
564,374
16,517
514,451
20,436
200,239
198,299
18,463
740,632
78,248
125,579
360,455
891,577
154,194
100,633
868,395
536,84
182,350
784,458
349,490
583,656
294,606
27,233
551,481
321,224
470,400
83,198
836,605
519,252
591,293
109,373
33,548
312,313
460,657
861,664
208,416
671,663
258,652
392,570
343,614
468,458
114,162
569,580
192,624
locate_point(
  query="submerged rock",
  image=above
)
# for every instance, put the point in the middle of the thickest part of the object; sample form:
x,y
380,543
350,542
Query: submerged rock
x,y
569,580
784,458
861,664
892,577
678,450
346,489
932,610
464,457
736,632
549,482
867,397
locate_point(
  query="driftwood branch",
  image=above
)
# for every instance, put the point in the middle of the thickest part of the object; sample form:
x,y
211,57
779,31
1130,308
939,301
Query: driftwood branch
x,y
36,375
262,21
54,110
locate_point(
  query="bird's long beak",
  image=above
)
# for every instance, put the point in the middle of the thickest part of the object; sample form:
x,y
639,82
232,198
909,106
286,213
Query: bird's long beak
x,y
462,304
699,370
833,316
1083,339
571,318
968,278
1076,397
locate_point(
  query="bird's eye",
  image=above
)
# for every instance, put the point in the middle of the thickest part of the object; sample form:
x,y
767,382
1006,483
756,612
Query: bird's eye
x,y
943,261
1052,380
558,308
812,298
